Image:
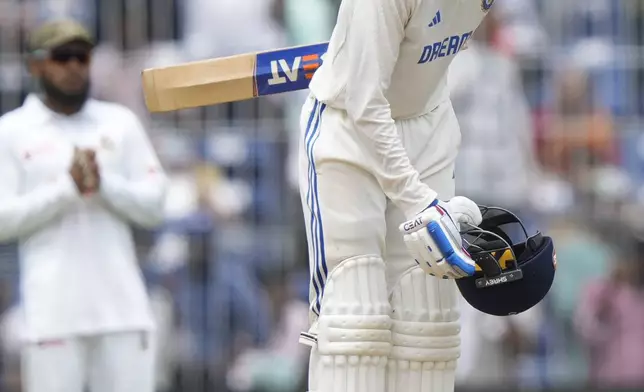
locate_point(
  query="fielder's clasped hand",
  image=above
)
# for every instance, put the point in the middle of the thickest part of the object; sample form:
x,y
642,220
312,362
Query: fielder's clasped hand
x,y
84,171
434,241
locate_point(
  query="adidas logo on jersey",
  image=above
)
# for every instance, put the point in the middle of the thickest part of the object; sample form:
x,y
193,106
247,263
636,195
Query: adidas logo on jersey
x,y
436,20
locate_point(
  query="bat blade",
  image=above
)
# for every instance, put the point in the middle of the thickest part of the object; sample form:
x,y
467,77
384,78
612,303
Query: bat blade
x,y
230,79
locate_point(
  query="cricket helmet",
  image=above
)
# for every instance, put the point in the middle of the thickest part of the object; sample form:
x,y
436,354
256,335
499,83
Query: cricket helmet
x,y
510,278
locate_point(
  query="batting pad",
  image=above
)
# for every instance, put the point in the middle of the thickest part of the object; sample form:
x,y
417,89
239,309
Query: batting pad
x,y
353,330
425,334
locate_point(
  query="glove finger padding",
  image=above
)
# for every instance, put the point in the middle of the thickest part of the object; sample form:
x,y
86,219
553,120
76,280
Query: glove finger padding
x,y
449,246
437,259
433,240
416,248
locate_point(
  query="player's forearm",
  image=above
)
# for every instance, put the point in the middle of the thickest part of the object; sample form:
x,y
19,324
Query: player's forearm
x,y
24,214
391,166
399,180
141,202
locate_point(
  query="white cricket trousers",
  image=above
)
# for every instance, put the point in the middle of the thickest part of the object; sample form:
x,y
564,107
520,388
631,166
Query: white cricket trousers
x,y
346,213
111,362
380,323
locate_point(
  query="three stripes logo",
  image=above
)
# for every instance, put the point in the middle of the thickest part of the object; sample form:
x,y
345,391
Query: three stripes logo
x,y
436,20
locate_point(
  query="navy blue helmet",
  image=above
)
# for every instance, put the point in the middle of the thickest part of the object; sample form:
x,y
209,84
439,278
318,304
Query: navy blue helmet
x,y
511,277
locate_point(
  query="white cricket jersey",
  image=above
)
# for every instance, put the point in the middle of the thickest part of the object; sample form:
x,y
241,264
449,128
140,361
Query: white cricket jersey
x,y
387,60
78,268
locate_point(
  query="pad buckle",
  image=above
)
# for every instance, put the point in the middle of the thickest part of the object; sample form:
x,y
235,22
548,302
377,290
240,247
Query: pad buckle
x,y
308,339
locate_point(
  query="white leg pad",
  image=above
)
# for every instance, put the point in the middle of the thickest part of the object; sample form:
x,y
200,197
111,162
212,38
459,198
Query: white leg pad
x,y
353,330
425,334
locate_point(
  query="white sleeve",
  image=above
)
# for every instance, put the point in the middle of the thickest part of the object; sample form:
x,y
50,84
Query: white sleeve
x,y
139,195
377,28
21,214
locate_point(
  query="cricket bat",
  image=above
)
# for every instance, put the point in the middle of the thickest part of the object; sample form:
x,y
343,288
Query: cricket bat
x,y
230,79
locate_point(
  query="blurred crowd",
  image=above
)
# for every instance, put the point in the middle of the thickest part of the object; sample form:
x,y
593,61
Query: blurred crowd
x,y
550,97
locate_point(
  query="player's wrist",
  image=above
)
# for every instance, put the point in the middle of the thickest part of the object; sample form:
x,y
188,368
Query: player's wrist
x,y
431,199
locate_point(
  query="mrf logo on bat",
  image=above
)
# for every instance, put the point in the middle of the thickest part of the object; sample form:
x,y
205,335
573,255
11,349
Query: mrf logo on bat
x,y
287,70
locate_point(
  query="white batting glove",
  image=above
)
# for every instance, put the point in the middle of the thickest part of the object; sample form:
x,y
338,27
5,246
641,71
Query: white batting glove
x,y
434,241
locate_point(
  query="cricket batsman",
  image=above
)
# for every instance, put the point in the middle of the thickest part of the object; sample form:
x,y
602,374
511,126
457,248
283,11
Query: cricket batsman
x,y
378,144
76,173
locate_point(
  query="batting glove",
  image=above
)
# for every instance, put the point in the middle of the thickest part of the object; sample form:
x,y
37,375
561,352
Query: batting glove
x,y
434,240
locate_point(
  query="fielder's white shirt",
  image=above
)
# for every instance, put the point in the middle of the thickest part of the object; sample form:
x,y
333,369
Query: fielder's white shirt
x,y
78,267
387,60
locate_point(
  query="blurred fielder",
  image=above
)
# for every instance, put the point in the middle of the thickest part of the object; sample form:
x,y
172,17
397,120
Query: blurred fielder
x,y
75,173
378,144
